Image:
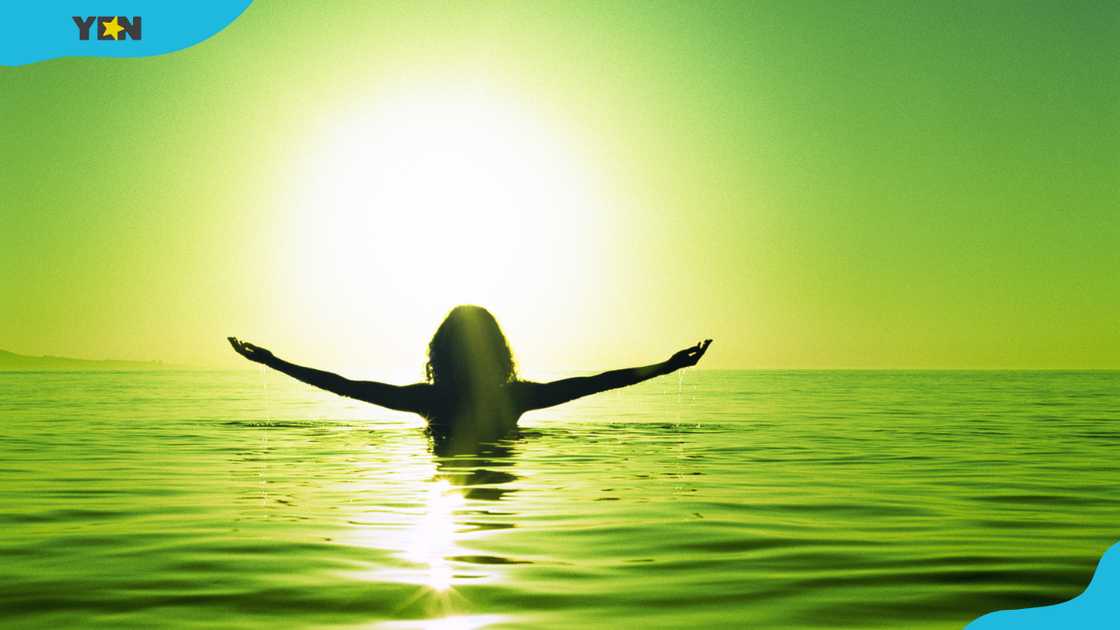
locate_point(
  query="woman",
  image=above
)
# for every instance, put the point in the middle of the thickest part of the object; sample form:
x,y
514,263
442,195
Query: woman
x,y
472,386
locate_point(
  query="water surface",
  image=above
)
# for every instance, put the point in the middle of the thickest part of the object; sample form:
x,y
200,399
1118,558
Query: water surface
x,y
764,499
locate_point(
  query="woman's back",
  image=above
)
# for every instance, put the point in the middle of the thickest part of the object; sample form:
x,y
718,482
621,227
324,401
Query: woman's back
x,y
486,412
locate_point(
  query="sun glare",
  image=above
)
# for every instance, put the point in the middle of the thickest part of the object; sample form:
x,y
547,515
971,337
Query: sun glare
x,y
430,197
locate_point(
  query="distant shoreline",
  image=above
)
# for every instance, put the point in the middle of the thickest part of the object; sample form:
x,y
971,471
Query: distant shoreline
x,y
12,362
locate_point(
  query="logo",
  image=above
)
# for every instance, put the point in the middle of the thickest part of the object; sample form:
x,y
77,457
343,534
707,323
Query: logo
x,y
114,27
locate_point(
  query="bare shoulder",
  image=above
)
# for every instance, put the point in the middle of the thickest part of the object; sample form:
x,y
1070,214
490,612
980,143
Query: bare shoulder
x,y
418,392
520,384
523,394
416,397
517,388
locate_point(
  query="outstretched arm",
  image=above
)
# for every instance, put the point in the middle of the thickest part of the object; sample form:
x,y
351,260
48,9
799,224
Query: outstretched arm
x,y
407,398
548,394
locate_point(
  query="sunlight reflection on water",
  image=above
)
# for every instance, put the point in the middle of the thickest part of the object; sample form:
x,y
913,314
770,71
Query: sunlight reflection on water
x,y
459,622
433,538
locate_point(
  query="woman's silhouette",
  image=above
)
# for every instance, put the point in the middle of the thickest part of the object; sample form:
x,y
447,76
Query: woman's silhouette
x,y
472,389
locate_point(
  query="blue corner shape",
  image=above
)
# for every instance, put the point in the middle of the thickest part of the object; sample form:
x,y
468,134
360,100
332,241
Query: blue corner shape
x,y
1097,607
37,31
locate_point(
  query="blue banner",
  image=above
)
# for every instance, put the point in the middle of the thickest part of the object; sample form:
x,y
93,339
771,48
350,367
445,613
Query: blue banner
x,y
124,28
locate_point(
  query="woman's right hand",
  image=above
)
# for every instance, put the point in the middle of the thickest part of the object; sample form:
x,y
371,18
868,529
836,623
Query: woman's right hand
x,y
249,351
689,356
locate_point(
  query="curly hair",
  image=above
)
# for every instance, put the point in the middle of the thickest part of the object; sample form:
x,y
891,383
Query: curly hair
x,y
469,348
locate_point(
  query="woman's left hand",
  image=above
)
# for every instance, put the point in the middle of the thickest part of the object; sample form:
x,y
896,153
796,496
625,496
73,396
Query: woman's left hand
x,y
251,352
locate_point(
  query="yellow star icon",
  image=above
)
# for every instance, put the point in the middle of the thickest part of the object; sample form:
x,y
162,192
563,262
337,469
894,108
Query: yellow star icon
x,y
113,28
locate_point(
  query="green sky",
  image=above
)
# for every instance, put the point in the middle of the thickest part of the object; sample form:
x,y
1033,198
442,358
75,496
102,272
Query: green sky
x,y
813,184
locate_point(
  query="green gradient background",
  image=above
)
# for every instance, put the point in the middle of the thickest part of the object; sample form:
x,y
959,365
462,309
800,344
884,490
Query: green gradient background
x,y
812,184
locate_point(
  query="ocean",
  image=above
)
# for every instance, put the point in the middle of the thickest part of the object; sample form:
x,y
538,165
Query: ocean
x,y
754,499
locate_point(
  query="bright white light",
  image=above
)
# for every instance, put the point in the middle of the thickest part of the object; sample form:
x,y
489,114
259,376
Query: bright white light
x,y
434,196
